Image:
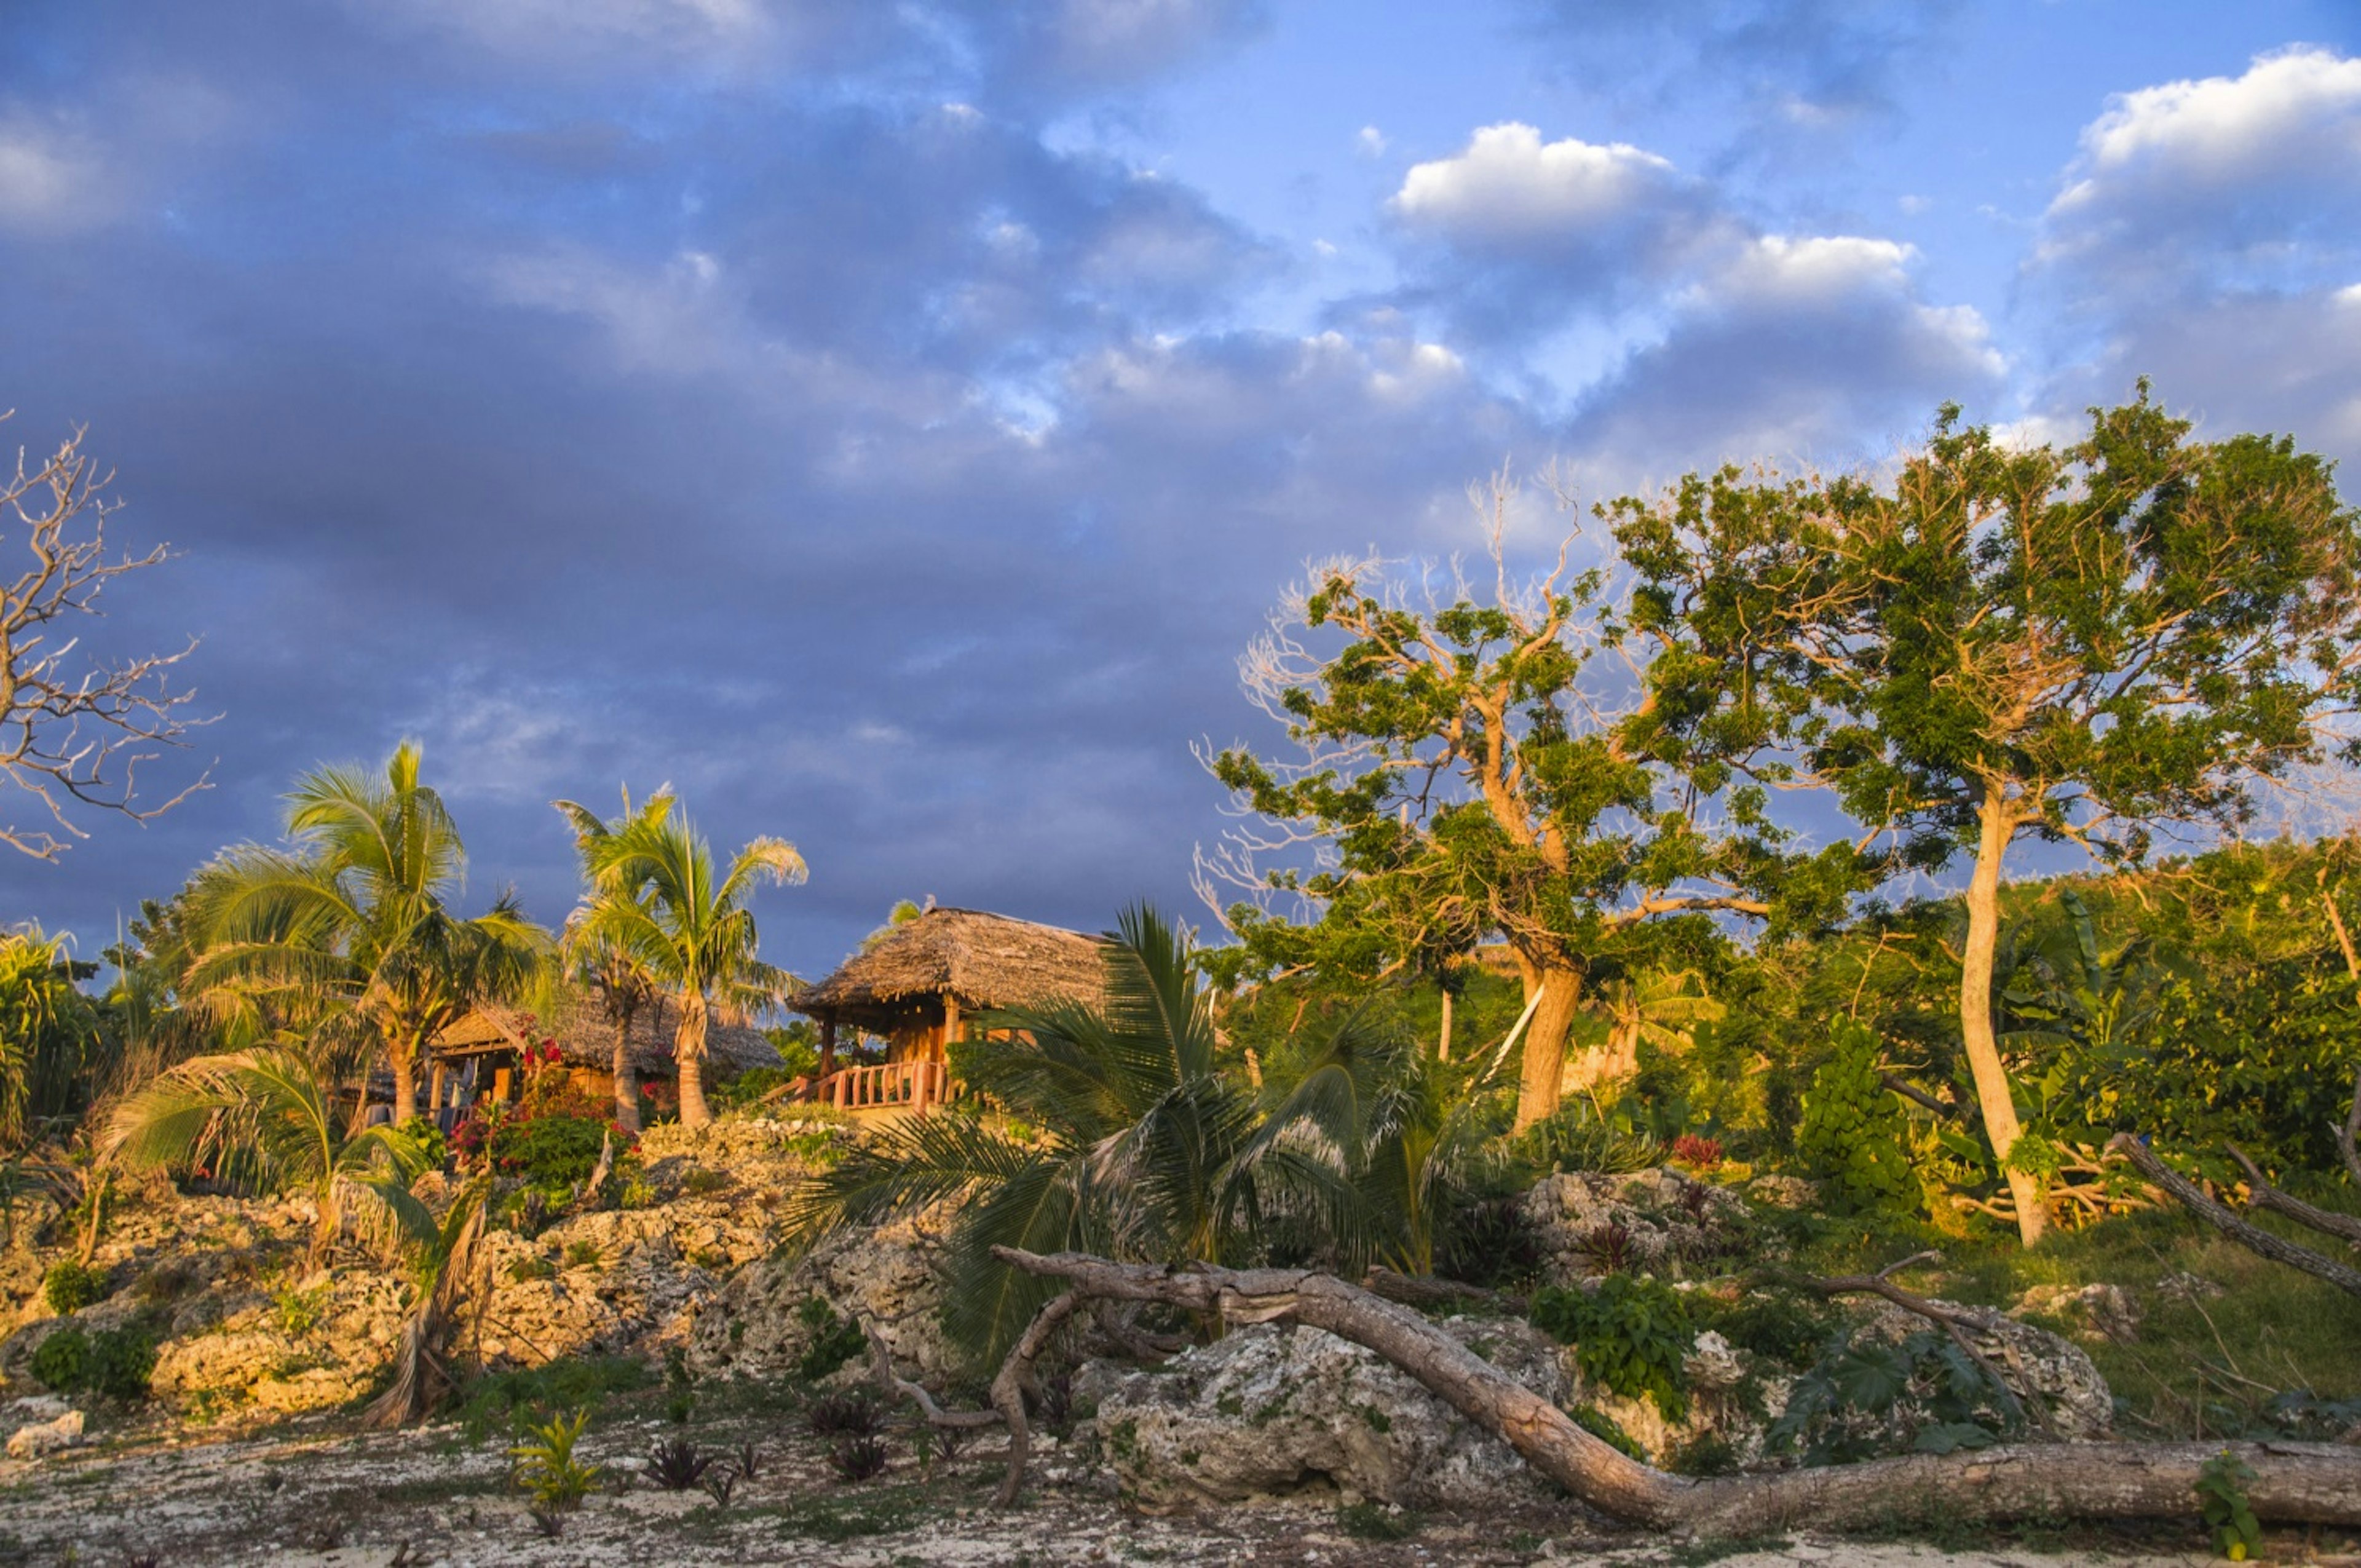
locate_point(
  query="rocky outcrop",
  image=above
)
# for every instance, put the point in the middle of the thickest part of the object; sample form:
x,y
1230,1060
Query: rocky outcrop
x,y
762,1324
1269,1411
2095,1312
35,1437
1590,1224
2051,1377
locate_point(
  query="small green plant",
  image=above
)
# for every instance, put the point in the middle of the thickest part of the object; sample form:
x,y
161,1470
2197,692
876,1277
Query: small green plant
x,y
547,1469
858,1459
1377,1521
116,1362
532,1266
1630,1335
1576,1138
834,1340
1608,1430
2222,1499
704,1182
70,1285
582,1255
680,1386
852,1414
298,1311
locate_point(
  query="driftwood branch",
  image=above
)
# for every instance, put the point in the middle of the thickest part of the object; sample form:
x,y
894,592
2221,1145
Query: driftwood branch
x,y
895,1385
1415,1291
2302,1482
2252,1237
1911,1091
1016,1377
2262,1195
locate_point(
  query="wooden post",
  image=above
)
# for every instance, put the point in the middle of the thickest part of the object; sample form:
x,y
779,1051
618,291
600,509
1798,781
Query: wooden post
x,y
950,1033
434,1089
826,1046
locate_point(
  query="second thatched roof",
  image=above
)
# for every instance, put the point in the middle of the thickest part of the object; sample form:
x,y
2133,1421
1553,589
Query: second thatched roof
x,y
984,960
586,1037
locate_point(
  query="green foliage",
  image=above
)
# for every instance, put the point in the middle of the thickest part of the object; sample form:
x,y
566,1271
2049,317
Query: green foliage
x,y
115,1363
1577,1138
1608,1430
1851,1131
1630,1335
1377,1521
500,1399
834,1340
553,1154
2222,1499
1865,1397
70,1285
546,1468
297,1312
1778,1326
748,1089
49,1035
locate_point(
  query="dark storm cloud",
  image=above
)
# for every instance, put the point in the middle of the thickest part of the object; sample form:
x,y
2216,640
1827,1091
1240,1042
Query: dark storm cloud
x,y
737,397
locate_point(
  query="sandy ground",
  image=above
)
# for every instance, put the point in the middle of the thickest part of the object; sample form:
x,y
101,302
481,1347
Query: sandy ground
x,y
399,1501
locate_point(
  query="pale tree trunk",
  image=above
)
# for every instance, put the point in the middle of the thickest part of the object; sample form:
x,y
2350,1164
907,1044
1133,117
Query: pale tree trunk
x,y
688,1057
1544,1059
627,1082
1992,1096
1442,1044
402,1057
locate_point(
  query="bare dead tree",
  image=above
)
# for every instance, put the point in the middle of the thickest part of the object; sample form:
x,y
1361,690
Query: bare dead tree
x,y
74,728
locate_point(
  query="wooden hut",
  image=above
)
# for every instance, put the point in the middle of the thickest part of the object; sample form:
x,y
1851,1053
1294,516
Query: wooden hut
x,y
919,986
478,1056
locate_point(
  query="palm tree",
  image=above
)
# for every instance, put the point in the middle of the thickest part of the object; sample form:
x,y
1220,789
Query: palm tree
x,y
1657,1006
1117,1134
656,900
589,948
267,1117
349,939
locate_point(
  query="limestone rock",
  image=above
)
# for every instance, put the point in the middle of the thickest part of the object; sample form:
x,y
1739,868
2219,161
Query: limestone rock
x,y
2043,1371
1269,1410
756,1327
2096,1312
1591,1224
46,1437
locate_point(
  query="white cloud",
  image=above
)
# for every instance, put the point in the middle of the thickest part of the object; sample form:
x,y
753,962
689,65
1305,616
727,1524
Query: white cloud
x,y
1371,142
1508,187
52,181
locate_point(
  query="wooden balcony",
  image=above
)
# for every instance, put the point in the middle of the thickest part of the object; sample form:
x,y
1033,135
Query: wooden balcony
x,y
893,1088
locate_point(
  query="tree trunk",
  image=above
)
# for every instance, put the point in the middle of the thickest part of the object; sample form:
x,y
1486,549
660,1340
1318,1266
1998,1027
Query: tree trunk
x,y
627,1082
1993,1097
403,1059
2296,1481
1544,1059
688,1058
1443,1044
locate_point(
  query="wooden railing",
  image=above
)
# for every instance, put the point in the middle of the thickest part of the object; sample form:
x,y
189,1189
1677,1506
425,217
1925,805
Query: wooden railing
x,y
894,1085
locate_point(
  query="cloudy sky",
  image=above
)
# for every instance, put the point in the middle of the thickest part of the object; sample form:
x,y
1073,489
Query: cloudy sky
x,y
885,422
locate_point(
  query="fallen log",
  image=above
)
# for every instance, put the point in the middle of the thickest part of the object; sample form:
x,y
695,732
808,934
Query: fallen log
x,y
2261,1194
2303,1483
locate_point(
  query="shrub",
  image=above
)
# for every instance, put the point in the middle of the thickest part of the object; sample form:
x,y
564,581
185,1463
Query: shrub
x,y
1862,1400
858,1458
676,1464
1608,1430
116,1362
1630,1335
297,1312
1703,1154
555,1153
69,1285
1576,1139
835,1340
1851,1130
1491,1242
852,1414
703,1182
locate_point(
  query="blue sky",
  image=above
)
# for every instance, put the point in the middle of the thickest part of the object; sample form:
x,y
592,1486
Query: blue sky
x,y
888,423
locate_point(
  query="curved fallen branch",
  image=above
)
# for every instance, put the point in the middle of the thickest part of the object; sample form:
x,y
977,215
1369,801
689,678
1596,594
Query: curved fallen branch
x,y
2252,1237
2312,1482
2261,1194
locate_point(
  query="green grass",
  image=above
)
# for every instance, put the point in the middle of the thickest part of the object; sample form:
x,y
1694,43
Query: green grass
x,y
494,1402
849,1515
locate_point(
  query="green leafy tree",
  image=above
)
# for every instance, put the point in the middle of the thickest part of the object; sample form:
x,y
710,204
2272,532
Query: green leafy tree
x,y
657,902
2075,643
1541,760
349,939
1851,1131
267,1117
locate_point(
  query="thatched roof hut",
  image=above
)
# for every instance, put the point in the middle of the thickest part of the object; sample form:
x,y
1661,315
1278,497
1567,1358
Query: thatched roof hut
x,y
586,1039
975,961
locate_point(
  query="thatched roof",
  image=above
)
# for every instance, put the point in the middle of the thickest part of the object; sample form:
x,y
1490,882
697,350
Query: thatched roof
x,y
586,1039
984,960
